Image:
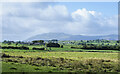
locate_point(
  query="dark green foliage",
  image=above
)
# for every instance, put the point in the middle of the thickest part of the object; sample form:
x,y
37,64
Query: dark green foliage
x,y
54,41
13,68
38,48
101,45
12,47
118,41
76,47
53,45
38,41
5,56
61,46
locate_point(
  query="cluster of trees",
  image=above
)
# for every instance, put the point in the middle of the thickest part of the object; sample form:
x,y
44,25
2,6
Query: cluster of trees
x,y
82,44
38,48
16,43
97,44
79,42
8,42
12,47
22,48
98,47
51,43
40,42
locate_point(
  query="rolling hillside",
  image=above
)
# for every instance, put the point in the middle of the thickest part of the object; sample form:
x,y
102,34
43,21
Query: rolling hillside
x,y
63,36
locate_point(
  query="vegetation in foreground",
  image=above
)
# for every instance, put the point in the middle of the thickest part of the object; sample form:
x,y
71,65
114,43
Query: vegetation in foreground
x,y
60,61
62,56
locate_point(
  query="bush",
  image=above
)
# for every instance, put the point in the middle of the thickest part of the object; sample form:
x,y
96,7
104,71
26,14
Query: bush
x,y
11,47
38,48
76,47
53,45
61,46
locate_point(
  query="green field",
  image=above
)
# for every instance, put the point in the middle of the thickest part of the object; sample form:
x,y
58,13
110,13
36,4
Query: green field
x,y
64,59
39,61
67,47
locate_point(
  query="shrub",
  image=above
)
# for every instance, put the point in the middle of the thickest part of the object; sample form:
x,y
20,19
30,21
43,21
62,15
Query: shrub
x,y
38,48
53,45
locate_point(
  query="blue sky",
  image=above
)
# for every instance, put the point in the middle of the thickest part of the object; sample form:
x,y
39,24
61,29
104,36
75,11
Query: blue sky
x,y
23,20
107,8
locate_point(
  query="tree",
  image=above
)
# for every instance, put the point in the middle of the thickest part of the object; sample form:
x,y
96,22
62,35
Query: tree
x,y
38,41
54,41
34,41
118,41
41,42
16,44
53,45
4,41
61,46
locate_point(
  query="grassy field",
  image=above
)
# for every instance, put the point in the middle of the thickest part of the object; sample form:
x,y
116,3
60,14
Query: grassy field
x,y
17,67
64,59
34,61
69,55
64,49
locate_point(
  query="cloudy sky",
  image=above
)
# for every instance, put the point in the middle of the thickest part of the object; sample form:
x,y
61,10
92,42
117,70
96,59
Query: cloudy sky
x,y
23,20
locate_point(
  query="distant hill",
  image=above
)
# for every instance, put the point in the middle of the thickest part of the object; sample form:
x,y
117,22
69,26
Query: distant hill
x,y
63,36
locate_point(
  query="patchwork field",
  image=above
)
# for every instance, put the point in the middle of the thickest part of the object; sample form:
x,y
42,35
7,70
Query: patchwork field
x,y
40,61
68,56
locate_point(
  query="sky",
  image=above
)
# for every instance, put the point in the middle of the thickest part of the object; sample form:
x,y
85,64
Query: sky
x,y
23,20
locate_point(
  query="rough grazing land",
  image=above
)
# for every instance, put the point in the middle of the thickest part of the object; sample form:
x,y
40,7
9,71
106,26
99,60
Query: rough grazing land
x,y
59,61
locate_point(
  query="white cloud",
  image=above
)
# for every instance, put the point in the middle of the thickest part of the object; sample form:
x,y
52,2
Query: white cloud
x,y
53,12
24,20
92,22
